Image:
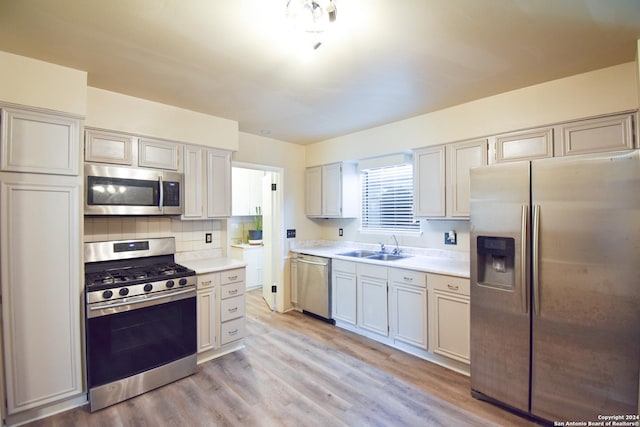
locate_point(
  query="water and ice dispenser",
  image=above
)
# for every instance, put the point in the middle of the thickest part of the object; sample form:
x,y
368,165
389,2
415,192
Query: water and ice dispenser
x,y
496,261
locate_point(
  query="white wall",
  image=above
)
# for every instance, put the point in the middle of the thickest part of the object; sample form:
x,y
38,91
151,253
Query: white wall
x,y
598,92
36,83
115,111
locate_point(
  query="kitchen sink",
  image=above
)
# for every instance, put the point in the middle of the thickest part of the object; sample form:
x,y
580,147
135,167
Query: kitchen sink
x,y
374,255
359,254
388,257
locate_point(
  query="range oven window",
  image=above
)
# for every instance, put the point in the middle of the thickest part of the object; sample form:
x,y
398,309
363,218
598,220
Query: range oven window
x,y
123,344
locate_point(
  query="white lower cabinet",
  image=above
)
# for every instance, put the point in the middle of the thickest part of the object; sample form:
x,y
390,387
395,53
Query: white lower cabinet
x,y
343,291
372,309
41,294
232,305
408,307
421,313
221,312
451,316
207,311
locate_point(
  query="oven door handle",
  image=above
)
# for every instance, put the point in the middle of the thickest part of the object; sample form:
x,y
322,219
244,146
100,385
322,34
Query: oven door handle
x,y
144,301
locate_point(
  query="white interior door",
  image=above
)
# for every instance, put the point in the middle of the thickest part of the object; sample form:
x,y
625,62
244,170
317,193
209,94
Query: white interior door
x,y
267,240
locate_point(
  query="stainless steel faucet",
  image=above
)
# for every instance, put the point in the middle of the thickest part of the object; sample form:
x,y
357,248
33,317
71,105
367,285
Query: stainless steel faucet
x,y
397,249
382,248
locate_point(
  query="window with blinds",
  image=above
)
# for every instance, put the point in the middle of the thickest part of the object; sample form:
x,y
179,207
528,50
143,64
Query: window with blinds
x,y
387,199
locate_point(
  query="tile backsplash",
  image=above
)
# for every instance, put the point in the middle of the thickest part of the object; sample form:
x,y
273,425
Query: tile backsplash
x,y
189,235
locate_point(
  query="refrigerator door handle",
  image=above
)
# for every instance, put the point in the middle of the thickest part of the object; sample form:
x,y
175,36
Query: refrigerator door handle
x,y
534,259
523,258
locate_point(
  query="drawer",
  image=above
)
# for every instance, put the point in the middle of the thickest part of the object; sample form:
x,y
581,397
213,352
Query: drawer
x,y
232,308
232,290
457,285
232,330
231,276
408,277
208,280
343,266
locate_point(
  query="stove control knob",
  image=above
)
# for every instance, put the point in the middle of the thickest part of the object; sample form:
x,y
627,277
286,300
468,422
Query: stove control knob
x,y
107,294
123,291
170,284
183,282
148,287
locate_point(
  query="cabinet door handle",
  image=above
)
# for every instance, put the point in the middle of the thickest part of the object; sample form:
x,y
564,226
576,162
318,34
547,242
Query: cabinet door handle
x,y
453,287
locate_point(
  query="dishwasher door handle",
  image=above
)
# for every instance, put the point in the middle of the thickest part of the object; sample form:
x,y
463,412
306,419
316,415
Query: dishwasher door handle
x,y
324,264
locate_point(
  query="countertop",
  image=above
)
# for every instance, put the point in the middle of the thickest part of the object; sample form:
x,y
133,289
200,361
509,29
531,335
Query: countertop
x,y
212,265
246,246
450,266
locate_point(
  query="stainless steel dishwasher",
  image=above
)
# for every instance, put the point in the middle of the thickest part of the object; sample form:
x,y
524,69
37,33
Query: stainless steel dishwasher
x,y
314,286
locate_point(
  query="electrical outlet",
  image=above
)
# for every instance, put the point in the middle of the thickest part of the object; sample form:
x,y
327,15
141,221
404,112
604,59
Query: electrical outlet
x,y
208,238
450,238
291,233
274,289
340,232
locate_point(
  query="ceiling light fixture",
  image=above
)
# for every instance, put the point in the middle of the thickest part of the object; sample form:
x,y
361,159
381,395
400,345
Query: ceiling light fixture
x,y
312,16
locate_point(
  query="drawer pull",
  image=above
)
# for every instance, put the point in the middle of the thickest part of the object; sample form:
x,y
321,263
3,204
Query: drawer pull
x,y
232,277
207,283
233,310
408,279
232,292
453,287
235,331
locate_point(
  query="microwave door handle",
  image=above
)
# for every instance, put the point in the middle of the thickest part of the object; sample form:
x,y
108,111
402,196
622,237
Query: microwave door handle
x,y
161,198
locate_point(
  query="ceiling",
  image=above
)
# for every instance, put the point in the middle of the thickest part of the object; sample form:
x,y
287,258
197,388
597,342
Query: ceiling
x,y
381,61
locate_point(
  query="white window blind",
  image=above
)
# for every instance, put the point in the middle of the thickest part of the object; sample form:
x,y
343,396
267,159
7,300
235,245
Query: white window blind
x,y
387,199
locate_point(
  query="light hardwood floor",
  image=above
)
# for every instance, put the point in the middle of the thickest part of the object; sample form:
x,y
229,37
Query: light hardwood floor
x,y
298,371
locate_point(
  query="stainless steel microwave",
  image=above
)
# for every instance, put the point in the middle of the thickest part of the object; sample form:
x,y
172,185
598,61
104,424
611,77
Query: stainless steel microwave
x,y
112,190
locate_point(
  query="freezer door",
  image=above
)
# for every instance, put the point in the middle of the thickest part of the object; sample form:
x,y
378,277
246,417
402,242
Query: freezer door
x,y
500,322
586,287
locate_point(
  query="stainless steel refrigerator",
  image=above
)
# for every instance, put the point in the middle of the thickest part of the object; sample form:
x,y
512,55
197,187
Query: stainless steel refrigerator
x,y
555,285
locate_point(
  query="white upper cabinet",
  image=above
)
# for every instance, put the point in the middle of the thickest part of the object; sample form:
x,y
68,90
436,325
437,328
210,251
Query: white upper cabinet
x,y
462,156
194,181
429,178
313,191
121,148
108,147
524,145
218,183
441,178
332,191
598,135
207,183
39,142
157,154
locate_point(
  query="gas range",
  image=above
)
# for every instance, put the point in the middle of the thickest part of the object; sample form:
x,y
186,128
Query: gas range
x,y
140,318
119,270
